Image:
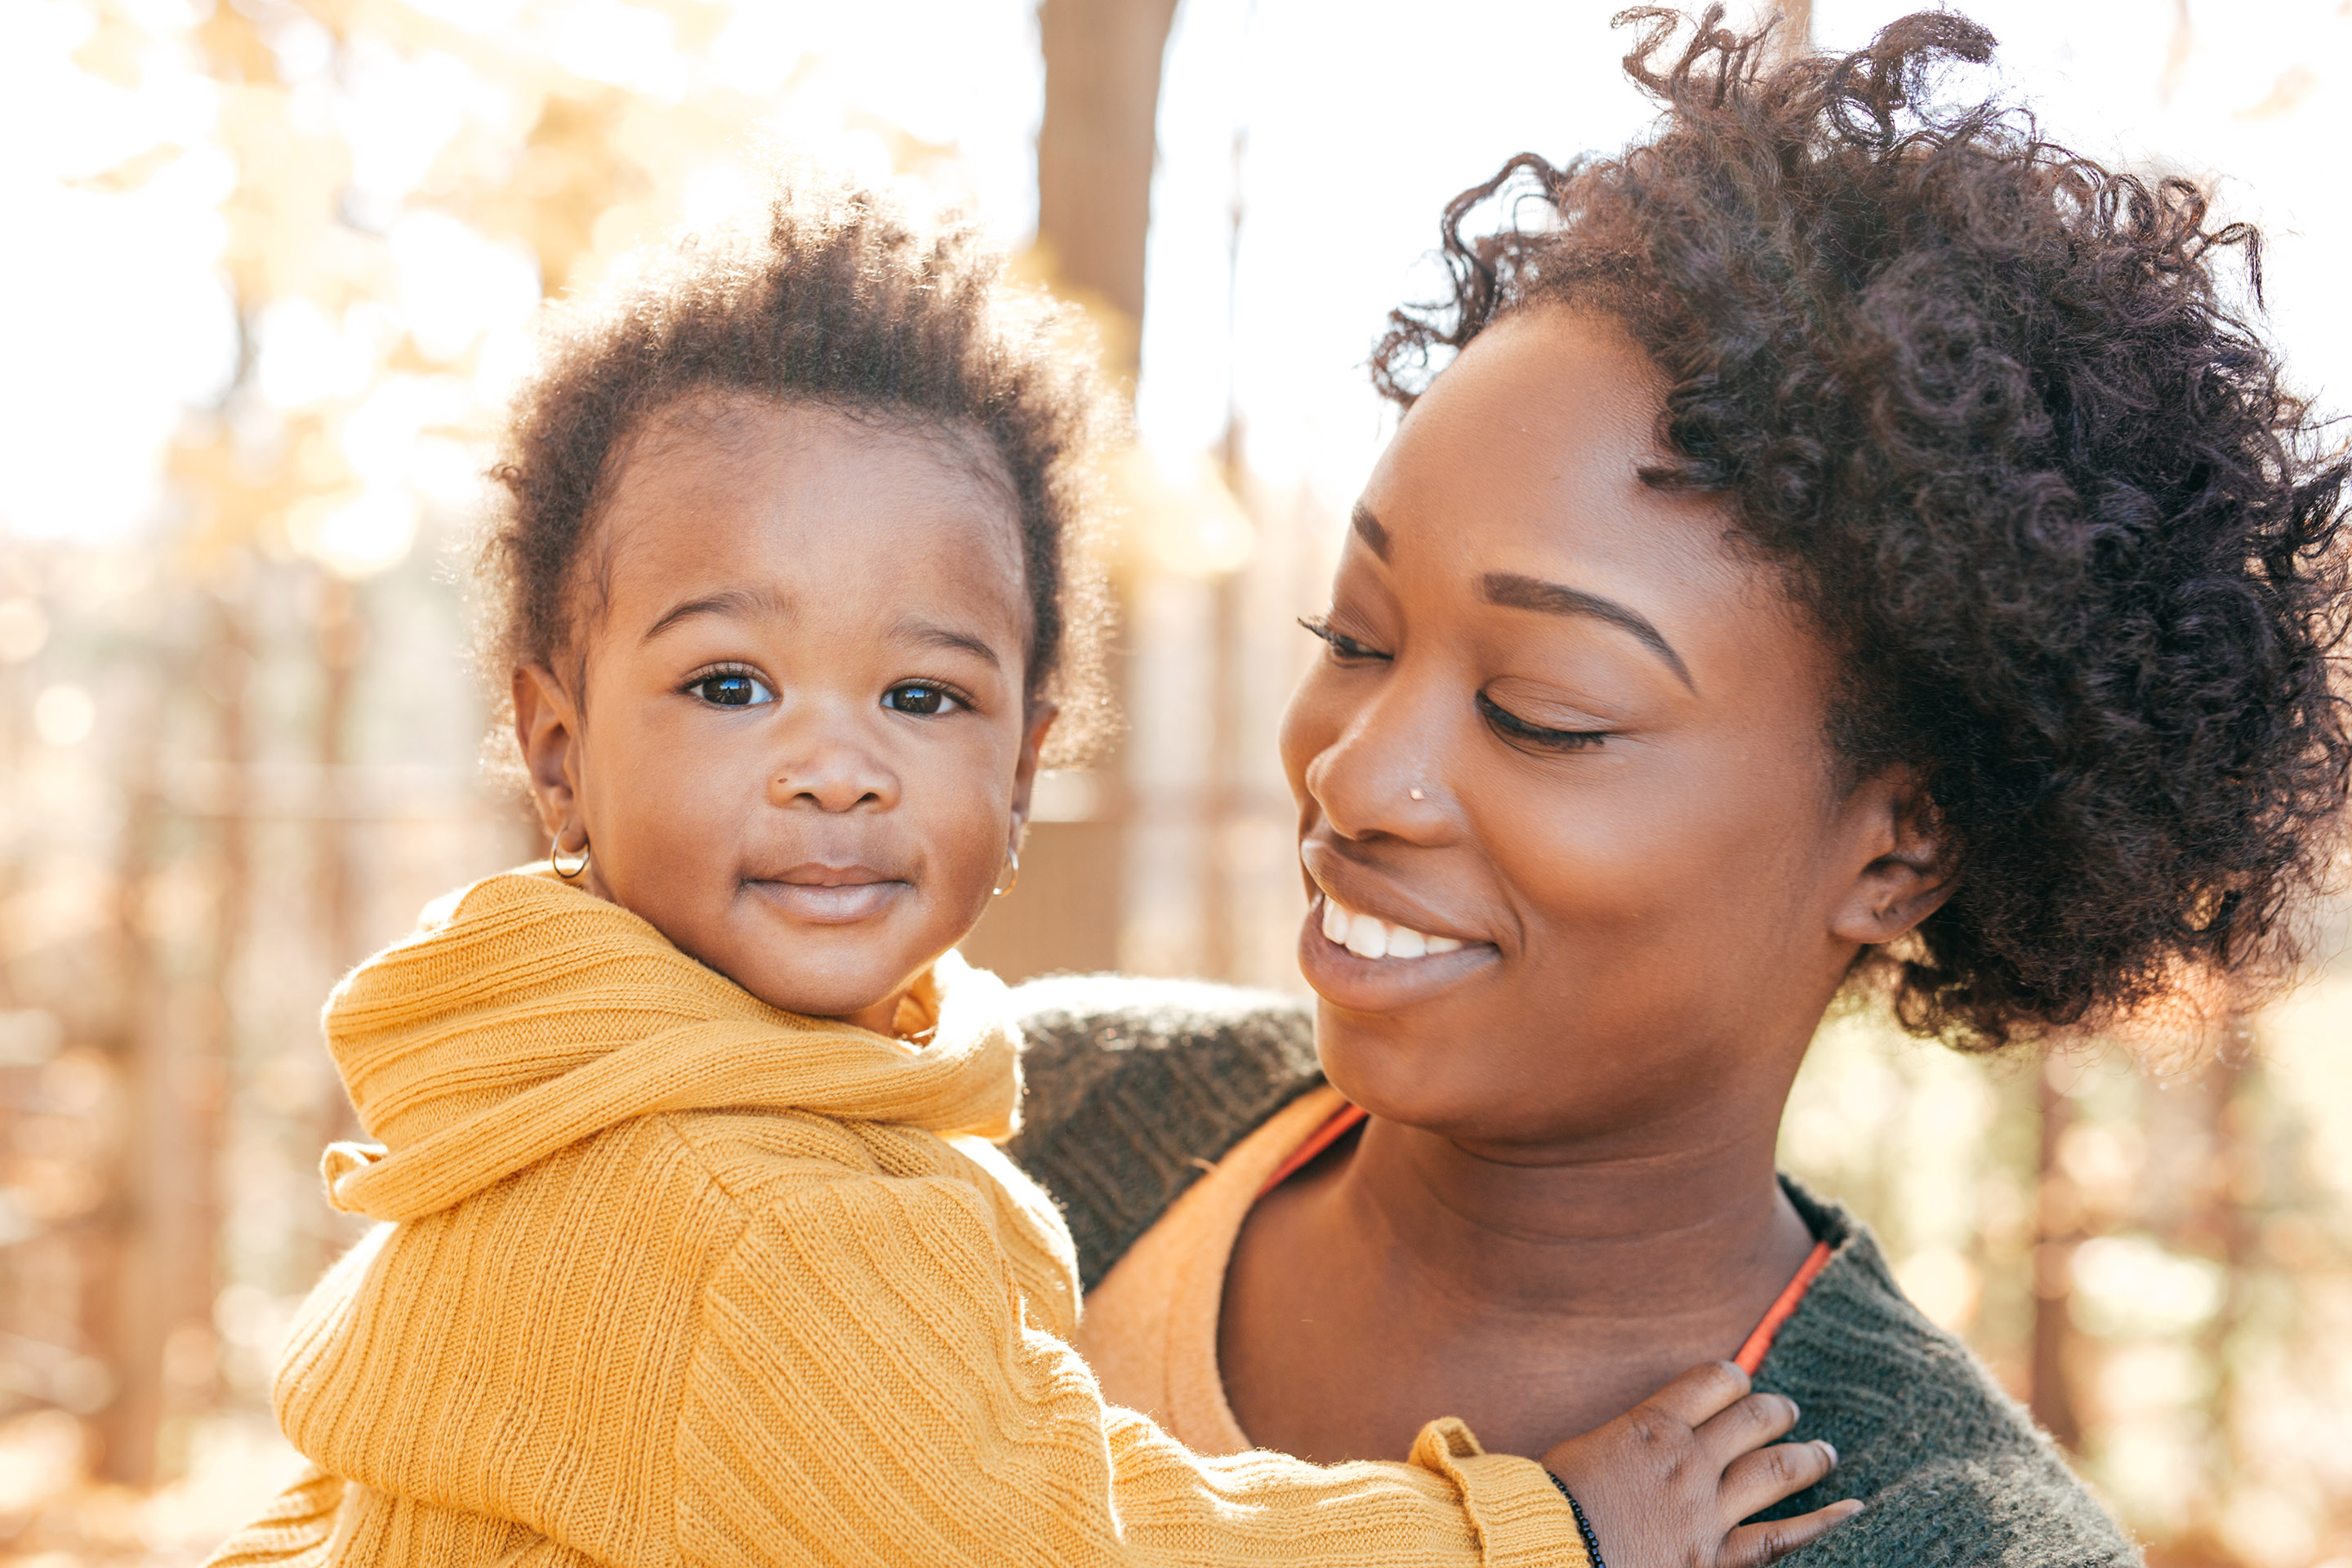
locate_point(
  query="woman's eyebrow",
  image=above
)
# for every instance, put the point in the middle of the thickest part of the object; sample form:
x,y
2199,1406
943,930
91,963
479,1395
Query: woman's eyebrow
x,y
727,602
1514,592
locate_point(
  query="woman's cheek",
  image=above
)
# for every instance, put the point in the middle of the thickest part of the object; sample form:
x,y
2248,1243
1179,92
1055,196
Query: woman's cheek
x,y
1310,724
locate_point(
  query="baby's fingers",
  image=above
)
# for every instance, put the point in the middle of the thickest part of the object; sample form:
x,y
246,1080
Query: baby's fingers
x,y
1753,1545
1701,1393
1755,1481
1747,1424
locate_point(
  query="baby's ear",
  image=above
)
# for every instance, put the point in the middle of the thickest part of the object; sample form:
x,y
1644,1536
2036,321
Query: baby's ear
x,y
1903,861
547,733
1039,722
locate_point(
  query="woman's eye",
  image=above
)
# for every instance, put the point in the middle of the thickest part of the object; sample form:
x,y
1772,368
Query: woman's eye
x,y
1343,646
732,689
925,700
1513,728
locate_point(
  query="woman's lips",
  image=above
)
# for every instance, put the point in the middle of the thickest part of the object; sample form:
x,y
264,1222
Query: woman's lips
x,y
1368,936
1335,953
831,896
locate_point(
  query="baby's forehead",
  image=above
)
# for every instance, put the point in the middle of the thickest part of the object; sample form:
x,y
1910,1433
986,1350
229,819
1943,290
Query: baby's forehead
x,y
713,431
749,487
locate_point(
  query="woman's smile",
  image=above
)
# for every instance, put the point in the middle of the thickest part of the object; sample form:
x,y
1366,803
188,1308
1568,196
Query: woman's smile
x,y
1372,945
1373,965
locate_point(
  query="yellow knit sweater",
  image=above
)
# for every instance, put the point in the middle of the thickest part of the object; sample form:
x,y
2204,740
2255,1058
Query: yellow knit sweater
x,y
671,1278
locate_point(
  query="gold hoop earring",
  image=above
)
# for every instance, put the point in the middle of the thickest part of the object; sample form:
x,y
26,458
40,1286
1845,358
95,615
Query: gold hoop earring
x,y
555,861
1010,882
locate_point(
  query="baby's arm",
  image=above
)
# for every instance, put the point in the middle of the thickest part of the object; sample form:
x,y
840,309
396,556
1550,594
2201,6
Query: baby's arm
x,y
1666,1484
867,1389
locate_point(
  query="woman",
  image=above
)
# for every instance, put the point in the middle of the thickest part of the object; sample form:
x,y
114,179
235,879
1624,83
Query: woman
x,y
1850,547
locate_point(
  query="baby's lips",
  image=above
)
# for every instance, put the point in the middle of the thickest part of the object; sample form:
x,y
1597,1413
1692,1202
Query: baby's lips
x,y
834,903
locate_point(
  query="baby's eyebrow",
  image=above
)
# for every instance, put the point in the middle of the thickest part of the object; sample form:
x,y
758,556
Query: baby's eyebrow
x,y
727,602
930,634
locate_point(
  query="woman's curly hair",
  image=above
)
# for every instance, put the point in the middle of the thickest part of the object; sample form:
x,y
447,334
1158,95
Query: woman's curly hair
x,y
841,303
2032,474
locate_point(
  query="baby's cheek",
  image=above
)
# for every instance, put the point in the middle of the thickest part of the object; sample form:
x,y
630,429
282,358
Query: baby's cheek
x,y
969,843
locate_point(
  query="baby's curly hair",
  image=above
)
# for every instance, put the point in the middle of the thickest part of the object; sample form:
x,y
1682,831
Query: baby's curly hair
x,y
843,302
1985,404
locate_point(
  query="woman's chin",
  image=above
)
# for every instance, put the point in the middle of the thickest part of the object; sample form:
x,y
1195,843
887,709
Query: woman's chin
x,y
1354,984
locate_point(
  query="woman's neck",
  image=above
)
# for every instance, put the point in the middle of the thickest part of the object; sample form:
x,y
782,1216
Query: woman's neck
x,y
1645,1229
1535,1294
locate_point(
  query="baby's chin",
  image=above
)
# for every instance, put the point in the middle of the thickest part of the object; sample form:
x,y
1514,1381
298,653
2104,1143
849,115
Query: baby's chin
x,y
829,969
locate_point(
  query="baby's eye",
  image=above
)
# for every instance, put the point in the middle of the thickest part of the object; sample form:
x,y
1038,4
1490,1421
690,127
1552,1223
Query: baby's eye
x,y
925,700
732,689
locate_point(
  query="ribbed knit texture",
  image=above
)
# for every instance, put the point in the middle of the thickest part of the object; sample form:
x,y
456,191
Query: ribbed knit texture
x,y
1135,1087
669,1277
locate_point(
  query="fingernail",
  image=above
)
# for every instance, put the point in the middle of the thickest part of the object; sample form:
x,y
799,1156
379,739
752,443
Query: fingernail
x,y
1827,1447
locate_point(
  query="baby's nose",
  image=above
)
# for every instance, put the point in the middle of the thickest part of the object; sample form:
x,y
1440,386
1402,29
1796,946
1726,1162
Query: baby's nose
x,y
834,778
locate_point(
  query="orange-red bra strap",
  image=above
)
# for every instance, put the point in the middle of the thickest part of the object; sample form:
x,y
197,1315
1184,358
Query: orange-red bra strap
x,y
1343,1121
1751,1354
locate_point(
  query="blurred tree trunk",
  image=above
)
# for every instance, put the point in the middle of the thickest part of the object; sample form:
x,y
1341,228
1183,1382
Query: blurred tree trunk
x,y
2058,1229
155,1290
339,635
2225,1226
117,1297
342,637
1095,154
1795,34
1096,144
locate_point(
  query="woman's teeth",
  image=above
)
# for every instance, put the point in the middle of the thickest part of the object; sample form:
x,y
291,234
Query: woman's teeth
x,y
1368,938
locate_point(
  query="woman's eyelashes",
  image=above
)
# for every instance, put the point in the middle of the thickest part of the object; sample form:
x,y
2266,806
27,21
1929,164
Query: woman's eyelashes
x,y
1517,731
1345,648
1514,730
730,687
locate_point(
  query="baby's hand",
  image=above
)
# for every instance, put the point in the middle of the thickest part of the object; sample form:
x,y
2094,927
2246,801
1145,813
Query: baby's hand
x,y
1666,1484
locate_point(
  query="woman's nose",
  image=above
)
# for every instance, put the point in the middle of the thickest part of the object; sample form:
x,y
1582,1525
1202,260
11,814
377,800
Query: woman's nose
x,y
1382,773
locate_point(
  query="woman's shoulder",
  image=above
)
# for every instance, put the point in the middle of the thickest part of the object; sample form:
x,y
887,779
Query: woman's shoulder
x,y
1132,1087
1953,1469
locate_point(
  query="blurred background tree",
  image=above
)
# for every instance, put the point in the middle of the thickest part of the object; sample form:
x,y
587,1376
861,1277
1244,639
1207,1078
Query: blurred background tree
x,y
272,269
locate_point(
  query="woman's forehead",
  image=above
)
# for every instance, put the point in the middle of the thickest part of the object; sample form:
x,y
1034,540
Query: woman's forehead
x,y
1525,457
1514,486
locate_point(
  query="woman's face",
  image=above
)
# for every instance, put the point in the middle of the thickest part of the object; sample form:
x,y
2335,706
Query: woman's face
x,y
1566,723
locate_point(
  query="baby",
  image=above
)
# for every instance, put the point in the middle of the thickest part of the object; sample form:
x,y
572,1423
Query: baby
x,y
698,1248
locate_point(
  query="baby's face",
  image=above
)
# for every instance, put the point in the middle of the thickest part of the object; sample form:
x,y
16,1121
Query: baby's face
x,y
796,736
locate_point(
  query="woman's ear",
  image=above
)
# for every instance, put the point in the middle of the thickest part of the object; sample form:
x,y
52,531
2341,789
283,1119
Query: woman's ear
x,y
1905,858
1039,721
547,733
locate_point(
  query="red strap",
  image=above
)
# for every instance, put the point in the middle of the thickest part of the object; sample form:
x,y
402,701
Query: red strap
x,y
1751,1354
1343,1121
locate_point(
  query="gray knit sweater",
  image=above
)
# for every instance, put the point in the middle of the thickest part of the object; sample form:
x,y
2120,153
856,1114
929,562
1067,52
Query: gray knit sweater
x,y
1135,1085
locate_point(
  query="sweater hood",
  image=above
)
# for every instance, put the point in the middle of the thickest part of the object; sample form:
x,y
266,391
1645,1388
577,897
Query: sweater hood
x,y
525,1015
